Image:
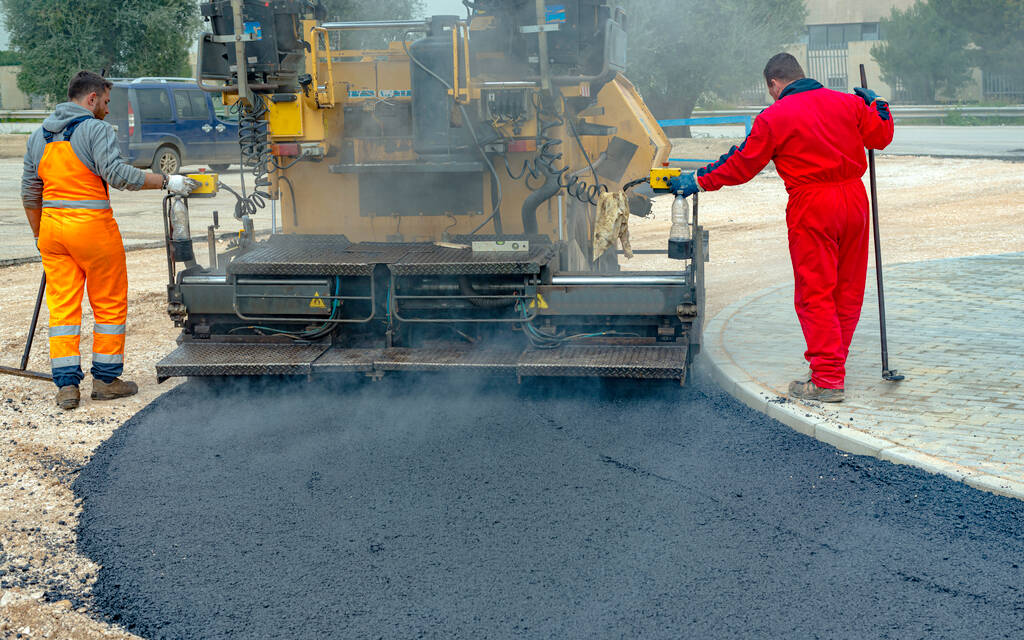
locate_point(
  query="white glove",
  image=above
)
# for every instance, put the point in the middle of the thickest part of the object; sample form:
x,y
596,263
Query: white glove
x,y
181,185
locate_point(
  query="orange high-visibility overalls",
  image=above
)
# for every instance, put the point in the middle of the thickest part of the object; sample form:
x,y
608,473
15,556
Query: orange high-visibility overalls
x,y
81,248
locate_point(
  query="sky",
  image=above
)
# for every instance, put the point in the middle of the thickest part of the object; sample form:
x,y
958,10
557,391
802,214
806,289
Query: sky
x,y
445,7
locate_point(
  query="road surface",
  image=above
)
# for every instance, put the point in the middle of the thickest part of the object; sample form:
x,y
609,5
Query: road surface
x,y
457,508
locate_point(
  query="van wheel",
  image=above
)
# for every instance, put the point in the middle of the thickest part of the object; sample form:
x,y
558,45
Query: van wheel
x,y
167,160
219,168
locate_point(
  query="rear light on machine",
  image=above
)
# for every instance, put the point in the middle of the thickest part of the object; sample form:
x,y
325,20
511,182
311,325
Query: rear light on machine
x,y
286,149
522,146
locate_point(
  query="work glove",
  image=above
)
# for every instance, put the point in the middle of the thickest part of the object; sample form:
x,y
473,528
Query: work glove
x,y
869,97
180,185
684,184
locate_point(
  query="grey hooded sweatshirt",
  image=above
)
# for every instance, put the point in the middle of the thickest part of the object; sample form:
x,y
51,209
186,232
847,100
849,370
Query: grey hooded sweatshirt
x,y
95,144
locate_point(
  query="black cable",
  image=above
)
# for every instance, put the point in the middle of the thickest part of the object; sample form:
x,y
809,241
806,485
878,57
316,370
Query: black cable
x,y
291,189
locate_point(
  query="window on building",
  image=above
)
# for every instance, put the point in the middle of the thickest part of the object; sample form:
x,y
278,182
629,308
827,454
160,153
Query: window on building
x,y
851,33
838,36
835,36
817,37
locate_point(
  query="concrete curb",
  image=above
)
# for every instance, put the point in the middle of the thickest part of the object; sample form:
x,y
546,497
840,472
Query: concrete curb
x,y
808,420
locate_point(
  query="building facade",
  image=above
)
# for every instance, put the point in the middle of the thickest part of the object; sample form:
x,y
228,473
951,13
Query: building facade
x,y
839,37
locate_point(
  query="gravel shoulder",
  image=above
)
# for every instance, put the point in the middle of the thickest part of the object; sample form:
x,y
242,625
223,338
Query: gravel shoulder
x,y
930,208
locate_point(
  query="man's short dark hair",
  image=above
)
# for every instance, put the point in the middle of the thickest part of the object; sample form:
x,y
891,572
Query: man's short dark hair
x,y
784,68
86,82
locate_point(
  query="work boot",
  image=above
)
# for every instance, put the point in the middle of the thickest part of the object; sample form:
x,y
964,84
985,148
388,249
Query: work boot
x,y
68,397
807,390
116,388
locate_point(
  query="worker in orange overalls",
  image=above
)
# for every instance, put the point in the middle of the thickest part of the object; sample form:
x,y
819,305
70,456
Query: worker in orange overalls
x,y
70,162
816,137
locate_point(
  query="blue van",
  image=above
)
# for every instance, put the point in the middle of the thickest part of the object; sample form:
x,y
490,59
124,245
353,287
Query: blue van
x,y
167,123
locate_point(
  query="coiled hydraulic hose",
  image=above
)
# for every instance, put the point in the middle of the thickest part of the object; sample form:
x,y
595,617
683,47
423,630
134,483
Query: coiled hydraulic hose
x,y
255,154
542,166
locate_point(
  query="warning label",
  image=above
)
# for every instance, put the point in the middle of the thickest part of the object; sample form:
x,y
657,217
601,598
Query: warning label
x,y
317,302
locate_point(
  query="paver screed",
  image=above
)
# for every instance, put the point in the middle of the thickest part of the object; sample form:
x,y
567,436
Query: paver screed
x,y
955,329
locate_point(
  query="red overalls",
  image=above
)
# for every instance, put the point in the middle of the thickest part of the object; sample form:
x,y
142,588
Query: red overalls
x,y
81,248
817,137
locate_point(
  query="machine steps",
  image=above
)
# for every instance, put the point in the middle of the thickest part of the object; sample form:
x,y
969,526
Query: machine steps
x,y
648,361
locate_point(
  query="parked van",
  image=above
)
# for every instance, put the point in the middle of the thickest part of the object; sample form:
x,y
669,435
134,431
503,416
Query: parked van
x,y
167,123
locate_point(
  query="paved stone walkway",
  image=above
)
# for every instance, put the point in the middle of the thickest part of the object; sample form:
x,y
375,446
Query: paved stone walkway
x,y
956,330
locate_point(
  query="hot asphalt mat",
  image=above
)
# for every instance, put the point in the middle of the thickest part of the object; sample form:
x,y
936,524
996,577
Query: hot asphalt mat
x,y
447,507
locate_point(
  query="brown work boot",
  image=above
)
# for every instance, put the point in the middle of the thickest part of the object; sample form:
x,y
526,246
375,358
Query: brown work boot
x,y
116,388
68,397
807,390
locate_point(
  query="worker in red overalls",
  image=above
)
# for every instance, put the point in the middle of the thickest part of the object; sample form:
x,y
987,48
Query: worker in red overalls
x,y
70,163
817,139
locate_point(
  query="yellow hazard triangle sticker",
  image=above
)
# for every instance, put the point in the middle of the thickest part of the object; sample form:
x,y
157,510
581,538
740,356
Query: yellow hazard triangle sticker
x,y
317,302
539,303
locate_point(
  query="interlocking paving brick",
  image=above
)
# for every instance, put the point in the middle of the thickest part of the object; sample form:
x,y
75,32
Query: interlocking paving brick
x,y
955,329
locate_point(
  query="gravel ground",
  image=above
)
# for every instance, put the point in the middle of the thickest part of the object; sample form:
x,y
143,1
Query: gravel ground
x,y
930,209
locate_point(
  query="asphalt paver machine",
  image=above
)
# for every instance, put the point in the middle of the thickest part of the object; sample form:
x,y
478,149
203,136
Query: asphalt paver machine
x,y
437,184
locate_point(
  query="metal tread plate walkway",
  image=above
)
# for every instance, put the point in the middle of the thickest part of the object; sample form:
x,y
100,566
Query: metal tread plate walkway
x,y
335,255
607,361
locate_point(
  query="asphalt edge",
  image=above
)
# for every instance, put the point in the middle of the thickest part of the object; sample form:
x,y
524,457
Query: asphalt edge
x,y
807,419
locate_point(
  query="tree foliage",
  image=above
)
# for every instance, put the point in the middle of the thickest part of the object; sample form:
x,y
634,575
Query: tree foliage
x,y
681,50
56,38
995,29
923,53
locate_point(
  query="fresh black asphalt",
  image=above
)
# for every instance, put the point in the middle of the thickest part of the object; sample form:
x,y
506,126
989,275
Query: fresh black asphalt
x,y
440,507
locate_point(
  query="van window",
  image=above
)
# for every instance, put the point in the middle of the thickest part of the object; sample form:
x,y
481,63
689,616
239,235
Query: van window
x,y
118,104
225,113
154,105
191,105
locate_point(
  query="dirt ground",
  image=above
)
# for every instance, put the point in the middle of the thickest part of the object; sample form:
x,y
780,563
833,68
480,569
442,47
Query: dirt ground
x,y
930,208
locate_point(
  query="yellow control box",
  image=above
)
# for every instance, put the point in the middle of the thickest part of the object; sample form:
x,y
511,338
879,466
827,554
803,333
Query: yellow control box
x,y
661,176
207,185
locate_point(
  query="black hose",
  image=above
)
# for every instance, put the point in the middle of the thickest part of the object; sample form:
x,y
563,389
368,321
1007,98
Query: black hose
x,y
551,186
466,289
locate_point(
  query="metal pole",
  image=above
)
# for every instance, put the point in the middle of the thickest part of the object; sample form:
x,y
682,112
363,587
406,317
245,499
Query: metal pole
x,y
887,373
35,321
22,370
542,46
241,63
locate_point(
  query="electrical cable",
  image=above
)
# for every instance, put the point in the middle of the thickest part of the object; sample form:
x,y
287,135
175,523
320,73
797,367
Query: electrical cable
x,y
291,189
544,162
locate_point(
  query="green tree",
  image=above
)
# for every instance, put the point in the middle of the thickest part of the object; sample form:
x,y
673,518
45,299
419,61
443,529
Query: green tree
x,y
682,50
923,53
995,29
56,38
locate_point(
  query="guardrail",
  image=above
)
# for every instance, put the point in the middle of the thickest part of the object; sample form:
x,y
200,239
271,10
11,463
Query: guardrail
x,y
898,111
24,114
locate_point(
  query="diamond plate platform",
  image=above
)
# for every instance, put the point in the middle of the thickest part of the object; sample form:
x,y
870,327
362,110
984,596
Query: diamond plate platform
x,y
435,260
239,359
341,360
315,255
334,255
602,361
449,359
